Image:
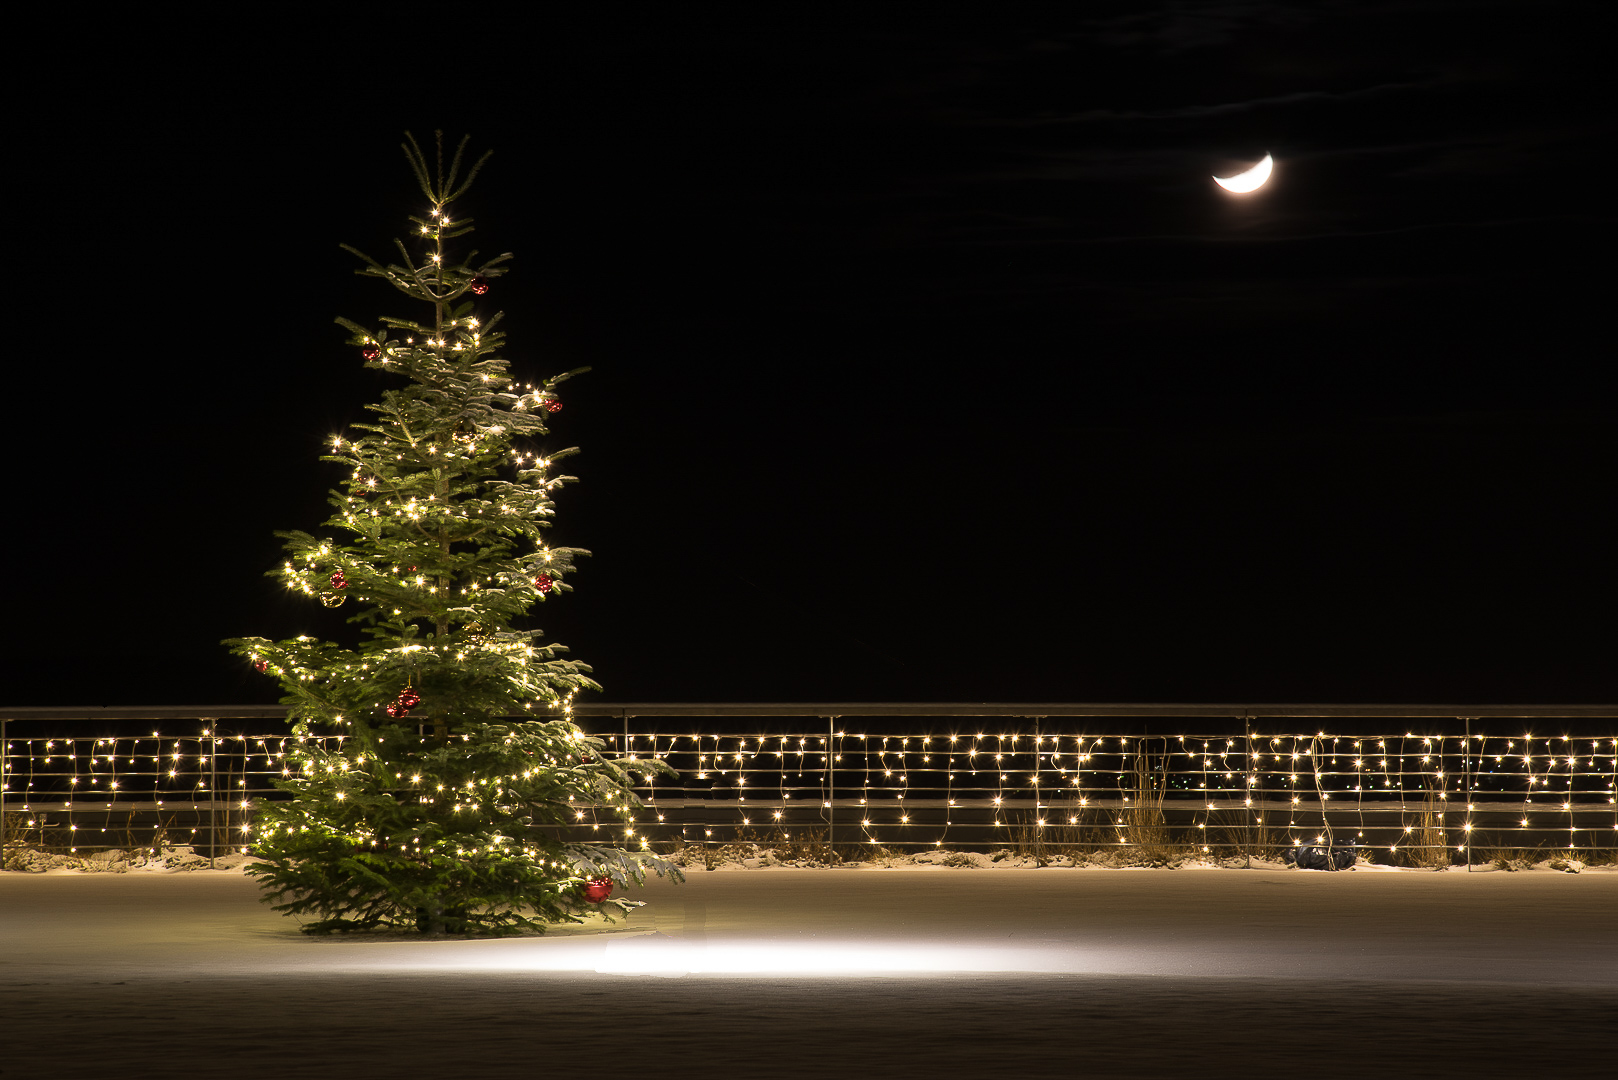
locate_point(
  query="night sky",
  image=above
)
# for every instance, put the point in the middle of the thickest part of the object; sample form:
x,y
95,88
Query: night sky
x,y
928,361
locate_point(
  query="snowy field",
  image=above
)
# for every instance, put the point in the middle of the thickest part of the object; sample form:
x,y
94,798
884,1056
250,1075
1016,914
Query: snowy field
x,y
785,972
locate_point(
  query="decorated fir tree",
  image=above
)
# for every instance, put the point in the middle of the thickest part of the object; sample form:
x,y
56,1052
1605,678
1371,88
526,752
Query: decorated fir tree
x,y
436,766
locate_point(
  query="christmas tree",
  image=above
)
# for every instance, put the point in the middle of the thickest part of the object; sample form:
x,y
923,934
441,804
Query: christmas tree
x,y
435,767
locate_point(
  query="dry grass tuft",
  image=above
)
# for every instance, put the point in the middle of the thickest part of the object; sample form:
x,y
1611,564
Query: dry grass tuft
x,y
1246,834
1428,844
1600,856
1145,835
1510,859
800,847
1082,835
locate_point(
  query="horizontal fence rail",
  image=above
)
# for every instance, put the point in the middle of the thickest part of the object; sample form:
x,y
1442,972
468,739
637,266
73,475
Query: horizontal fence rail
x,y
1455,784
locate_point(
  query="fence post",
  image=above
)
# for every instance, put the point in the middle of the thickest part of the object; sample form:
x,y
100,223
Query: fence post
x,y
1466,778
1247,786
831,785
213,789
1039,830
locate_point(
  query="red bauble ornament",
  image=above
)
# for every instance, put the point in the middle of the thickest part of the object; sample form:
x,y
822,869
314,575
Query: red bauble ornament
x,y
553,405
338,581
261,666
371,352
597,889
400,706
479,286
544,582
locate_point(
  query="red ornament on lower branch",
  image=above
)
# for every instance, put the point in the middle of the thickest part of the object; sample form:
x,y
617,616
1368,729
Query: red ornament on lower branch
x,y
544,583
597,889
371,352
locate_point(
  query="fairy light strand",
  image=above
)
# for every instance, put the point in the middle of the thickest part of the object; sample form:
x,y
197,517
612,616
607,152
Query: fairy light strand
x,y
1411,793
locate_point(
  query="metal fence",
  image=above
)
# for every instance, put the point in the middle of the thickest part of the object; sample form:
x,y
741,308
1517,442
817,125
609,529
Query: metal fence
x,y
1447,784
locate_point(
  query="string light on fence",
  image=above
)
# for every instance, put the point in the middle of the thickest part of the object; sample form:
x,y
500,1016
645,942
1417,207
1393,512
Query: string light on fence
x,y
913,788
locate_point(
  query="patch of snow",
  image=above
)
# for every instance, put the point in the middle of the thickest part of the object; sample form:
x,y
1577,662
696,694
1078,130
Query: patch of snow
x,y
172,858
183,858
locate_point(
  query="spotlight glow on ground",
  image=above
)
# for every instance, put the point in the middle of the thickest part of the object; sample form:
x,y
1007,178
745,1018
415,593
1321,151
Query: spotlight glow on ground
x,y
655,954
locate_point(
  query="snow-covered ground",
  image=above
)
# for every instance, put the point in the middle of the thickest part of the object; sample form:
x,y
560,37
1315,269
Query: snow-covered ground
x,y
793,972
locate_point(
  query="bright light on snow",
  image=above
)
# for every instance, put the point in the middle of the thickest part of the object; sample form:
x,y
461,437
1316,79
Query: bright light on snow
x,y
655,954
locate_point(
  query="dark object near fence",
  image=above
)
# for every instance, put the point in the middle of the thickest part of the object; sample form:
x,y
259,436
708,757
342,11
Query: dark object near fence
x,y
1320,858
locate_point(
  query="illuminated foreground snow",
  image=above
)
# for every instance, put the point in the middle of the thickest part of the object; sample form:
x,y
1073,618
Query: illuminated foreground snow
x,y
796,972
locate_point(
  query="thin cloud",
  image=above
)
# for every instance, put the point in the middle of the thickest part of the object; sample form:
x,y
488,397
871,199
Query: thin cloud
x,y
1191,112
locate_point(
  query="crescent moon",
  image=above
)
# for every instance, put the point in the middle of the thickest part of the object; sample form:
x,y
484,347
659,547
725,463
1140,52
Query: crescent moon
x,y
1251,180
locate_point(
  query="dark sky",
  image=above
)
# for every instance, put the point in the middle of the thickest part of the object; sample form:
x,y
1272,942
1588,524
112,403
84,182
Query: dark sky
x,y
928,362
